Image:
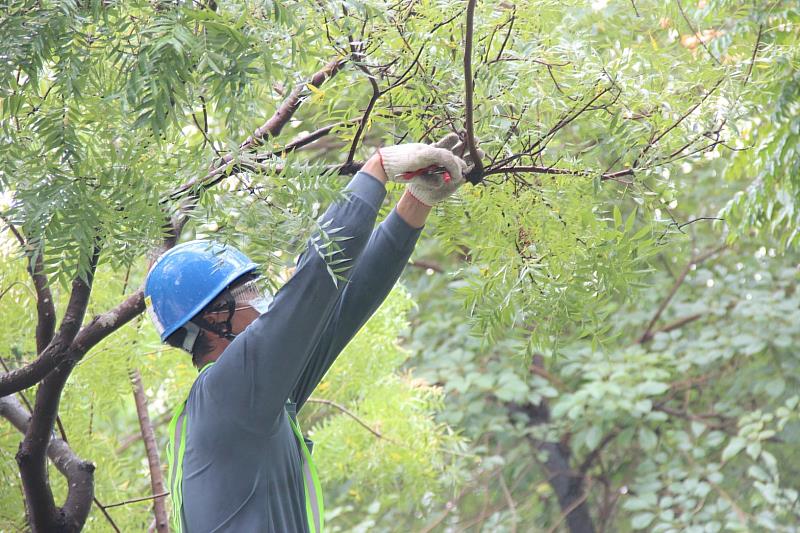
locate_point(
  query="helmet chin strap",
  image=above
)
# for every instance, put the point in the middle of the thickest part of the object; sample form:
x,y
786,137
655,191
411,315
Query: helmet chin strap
x,y
224,330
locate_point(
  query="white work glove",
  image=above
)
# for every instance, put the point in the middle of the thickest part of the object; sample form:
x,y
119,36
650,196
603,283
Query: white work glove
x,y
401,161
431,189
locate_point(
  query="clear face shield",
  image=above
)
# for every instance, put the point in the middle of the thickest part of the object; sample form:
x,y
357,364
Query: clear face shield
x,y
246,296
252,295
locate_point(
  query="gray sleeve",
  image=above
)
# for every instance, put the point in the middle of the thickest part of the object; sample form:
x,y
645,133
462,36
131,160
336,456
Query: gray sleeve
x,y
373,277
254,376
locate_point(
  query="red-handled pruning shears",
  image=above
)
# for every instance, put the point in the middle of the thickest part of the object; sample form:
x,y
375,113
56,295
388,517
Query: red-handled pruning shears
x,y
432,169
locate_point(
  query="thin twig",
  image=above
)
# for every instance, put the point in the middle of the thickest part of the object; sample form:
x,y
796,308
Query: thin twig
x,y
675,324
510,501
315,135
683,117
349,413
105,513
696,33
612,176
136,500
204,132
594,454
695,260
753,57
508,34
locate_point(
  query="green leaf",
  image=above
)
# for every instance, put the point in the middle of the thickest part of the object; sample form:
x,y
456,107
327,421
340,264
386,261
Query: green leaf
x,y
647,438
735,445
642,520
652,388
593,436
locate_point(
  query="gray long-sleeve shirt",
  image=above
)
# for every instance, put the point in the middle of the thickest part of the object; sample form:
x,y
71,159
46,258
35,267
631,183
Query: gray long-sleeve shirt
x,y
242,463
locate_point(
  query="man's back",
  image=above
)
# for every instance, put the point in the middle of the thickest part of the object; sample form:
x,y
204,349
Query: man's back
x,y
239,476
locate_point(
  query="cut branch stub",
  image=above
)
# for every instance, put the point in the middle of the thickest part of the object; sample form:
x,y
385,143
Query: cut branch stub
x,y
475,176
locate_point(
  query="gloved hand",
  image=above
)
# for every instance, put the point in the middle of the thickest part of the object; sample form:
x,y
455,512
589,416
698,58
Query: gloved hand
x,y
431,189
408,158
401,162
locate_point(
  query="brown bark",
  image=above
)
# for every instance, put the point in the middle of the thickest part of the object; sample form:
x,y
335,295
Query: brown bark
x,y
58,350
77,471
151,448
568,483
476,174
45,309
32,454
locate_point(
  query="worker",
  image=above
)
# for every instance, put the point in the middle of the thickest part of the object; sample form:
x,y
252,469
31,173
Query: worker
x,y
238,461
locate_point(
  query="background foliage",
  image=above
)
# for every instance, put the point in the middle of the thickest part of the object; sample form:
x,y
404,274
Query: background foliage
x,y
602,338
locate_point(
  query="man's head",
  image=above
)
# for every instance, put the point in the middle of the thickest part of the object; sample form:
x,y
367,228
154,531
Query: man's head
x,y
221,320
200,295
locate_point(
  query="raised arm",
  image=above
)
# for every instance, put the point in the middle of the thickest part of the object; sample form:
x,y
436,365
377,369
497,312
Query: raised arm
x,y
386,256
256,373
376,272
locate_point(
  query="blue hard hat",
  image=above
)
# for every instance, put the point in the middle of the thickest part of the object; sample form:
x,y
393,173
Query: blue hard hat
x,y
188,277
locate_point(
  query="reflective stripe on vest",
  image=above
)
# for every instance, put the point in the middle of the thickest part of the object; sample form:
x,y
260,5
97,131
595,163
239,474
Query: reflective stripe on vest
x,y
177,433
315,509
312,488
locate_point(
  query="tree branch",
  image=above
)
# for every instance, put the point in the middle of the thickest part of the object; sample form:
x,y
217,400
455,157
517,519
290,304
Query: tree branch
x,y
310,138
676,324
45,308
151,448
567,483
675,124
95,331
271,128
753,57
476,174
565,514
695,260
137,500
129,440
58,451
32,454
594,454
376,93
72,467
612,176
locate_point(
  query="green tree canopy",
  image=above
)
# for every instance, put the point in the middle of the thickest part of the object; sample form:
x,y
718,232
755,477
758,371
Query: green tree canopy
x,y
604,325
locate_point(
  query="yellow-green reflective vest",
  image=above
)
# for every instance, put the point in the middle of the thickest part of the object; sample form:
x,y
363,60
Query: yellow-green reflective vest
x,y
312,489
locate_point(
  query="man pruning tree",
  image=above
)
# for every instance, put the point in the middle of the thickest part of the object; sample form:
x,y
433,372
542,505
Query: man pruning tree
x,y
238,461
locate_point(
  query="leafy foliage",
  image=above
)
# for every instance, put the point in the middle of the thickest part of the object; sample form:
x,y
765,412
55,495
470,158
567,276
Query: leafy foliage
x,y
614,131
